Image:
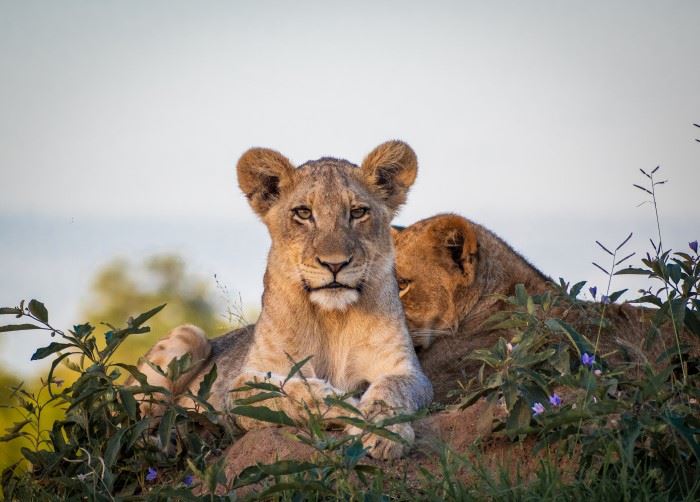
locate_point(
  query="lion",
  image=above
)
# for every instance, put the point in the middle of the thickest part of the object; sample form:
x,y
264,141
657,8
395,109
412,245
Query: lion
x,y
454,274
330,294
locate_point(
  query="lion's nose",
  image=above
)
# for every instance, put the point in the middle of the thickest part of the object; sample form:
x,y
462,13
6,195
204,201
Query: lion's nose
x,y
334,266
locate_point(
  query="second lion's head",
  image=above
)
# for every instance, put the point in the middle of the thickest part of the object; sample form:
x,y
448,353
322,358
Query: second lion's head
x,y
329,220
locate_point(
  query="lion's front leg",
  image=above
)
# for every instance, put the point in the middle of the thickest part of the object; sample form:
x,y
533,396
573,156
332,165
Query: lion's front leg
x,y
387,397
301,396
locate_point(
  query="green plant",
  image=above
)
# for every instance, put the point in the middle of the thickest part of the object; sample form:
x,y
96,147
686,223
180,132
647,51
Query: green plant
x,y
103,449
555,384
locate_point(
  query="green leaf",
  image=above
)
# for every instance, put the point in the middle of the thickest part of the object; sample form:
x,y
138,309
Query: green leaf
x,y
38,310
521,294
678,310
166,426
576,289
674,272
532,359
510,393
82,330
127,399
633,271
470,399
113,446
51,348
207,382
282,467
629,439
686,433
178,366
10,310
369,427
263,414
341,403
560,361
256,398
308,486
134,371
654,300
15,430
137,430
692,321
142,318
519,417
580,342
256,473
18,327
296,368
617,294
259,386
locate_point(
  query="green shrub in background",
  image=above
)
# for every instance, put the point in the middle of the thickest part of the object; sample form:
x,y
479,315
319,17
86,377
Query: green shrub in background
x,y
120,289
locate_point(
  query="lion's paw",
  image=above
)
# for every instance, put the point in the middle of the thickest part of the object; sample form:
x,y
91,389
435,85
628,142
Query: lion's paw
x,y
383,448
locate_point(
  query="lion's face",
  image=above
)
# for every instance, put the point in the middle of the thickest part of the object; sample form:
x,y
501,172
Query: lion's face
x,y
436,261
329,219
332,233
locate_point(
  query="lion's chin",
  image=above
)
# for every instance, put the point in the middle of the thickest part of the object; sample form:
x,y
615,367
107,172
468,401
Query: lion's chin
x,y
334,299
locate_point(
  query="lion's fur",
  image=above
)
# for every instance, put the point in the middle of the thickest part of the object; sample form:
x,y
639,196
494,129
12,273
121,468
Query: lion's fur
x,y
454,274
355,330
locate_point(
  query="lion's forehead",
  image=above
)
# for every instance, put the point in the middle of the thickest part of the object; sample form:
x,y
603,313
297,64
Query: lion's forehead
x,y
329,187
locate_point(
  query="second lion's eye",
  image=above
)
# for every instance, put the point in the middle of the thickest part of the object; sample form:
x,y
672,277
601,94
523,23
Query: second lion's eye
x,y
302,212
358,212
404,286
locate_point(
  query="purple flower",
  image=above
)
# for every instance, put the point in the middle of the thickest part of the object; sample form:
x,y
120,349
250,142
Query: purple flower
x,y
189,479
537,409
605,300
152,474
587,360
694,246
593,291
555,399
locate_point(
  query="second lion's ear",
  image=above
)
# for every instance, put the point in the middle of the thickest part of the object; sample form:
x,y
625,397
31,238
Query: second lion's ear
x,y
263,174
457,236
390,170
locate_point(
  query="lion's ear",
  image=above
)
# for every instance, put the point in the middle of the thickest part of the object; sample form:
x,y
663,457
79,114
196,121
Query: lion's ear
x,y
390,170
263,174
457,236
396,231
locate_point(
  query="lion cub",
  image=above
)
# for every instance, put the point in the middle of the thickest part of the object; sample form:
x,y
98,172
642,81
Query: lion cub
x,y
329,293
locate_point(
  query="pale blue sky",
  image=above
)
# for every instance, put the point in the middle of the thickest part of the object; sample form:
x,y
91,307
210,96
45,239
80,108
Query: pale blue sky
x,y
121,122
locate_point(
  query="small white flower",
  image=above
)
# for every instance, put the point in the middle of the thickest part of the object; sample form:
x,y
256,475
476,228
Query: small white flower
x,y
597,372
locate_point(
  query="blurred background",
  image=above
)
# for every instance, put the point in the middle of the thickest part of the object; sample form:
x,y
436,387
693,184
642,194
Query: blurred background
x,y
121,122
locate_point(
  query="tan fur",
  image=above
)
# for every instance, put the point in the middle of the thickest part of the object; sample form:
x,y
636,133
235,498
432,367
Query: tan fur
x,y
180,341
452,273
355,332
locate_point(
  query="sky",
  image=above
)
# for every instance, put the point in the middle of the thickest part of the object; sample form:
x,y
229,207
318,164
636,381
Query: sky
x,y
121,123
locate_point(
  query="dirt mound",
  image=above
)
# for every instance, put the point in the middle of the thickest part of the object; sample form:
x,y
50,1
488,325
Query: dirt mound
x,y
457,430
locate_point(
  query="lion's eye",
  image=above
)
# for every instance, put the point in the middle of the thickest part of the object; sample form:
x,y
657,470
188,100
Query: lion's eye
x,y
404,286
302,212
358,212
